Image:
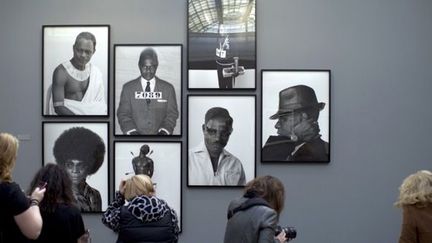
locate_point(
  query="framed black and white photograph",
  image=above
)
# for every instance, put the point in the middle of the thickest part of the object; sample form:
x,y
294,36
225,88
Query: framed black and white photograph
x,y
82,148
295,116
147,89
75,70
221,140
221,44
161,161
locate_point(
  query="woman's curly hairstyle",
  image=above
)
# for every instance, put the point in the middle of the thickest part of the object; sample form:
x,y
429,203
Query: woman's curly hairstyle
x,y
81,144
8,152
416,189
58,187
270,189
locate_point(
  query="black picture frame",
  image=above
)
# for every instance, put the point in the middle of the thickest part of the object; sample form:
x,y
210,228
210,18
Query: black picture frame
x,y
57,49
167,173
295,101
241,142
221,44
52,130
169,72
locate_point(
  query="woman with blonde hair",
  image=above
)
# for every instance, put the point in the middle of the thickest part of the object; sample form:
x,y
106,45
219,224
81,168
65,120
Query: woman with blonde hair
x,y
254,217
144,218
415,199
20,216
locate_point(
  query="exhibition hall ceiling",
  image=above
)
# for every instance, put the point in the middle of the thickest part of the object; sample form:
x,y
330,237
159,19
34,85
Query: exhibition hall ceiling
x,y
221,16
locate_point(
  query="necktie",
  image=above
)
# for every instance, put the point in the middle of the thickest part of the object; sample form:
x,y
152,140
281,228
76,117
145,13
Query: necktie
x,y
147,89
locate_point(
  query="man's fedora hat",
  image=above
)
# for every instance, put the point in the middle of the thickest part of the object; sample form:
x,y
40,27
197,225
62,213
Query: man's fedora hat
x,y
297,97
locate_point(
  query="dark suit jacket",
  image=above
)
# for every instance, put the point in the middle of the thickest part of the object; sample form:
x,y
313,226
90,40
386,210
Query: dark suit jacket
x,y
146,118
279,148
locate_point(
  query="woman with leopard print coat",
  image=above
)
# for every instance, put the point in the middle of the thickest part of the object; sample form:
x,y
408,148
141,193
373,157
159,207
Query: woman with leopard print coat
x,y
144,218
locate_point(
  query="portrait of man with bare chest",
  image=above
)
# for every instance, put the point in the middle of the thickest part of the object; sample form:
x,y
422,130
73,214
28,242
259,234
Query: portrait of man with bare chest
x,y
77,86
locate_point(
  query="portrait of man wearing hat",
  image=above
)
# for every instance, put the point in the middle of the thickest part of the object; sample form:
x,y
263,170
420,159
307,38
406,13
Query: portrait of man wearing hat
x,y
142,164
297,127
211,164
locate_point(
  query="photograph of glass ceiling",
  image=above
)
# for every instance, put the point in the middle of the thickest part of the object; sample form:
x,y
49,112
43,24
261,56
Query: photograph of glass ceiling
x,y
221,16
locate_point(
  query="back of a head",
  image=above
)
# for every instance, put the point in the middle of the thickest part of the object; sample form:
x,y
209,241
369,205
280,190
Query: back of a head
x,y
8,152
138,185
416,189
270,189
58,186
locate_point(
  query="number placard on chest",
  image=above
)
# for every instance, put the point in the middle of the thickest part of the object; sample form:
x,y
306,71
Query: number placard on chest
x,y
148,95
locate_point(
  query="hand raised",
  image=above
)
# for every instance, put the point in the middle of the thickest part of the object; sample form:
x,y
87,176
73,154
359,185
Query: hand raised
x,y
38,194
306,130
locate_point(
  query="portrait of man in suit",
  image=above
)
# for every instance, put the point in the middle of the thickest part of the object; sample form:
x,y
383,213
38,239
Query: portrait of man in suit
x,y
148,104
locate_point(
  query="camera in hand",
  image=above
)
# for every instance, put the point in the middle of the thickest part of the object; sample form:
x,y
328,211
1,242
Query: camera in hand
x,y
290,232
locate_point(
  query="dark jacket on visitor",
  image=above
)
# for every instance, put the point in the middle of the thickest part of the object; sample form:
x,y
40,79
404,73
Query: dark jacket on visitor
x,y
250,221
417,224
143,220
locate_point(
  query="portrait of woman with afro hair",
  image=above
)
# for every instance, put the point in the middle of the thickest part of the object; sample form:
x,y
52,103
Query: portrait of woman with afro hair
x,y
80,148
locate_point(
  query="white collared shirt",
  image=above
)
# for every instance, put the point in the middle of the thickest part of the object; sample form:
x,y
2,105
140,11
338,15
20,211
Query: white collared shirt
x,y
229,170
152,84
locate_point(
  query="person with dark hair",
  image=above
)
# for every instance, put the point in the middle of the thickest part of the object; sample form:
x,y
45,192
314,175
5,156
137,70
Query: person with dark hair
x,y
81,152
148,104
138,215
298,136
254,217
209,162
142,164
77,86
20,216
62,221
415,199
